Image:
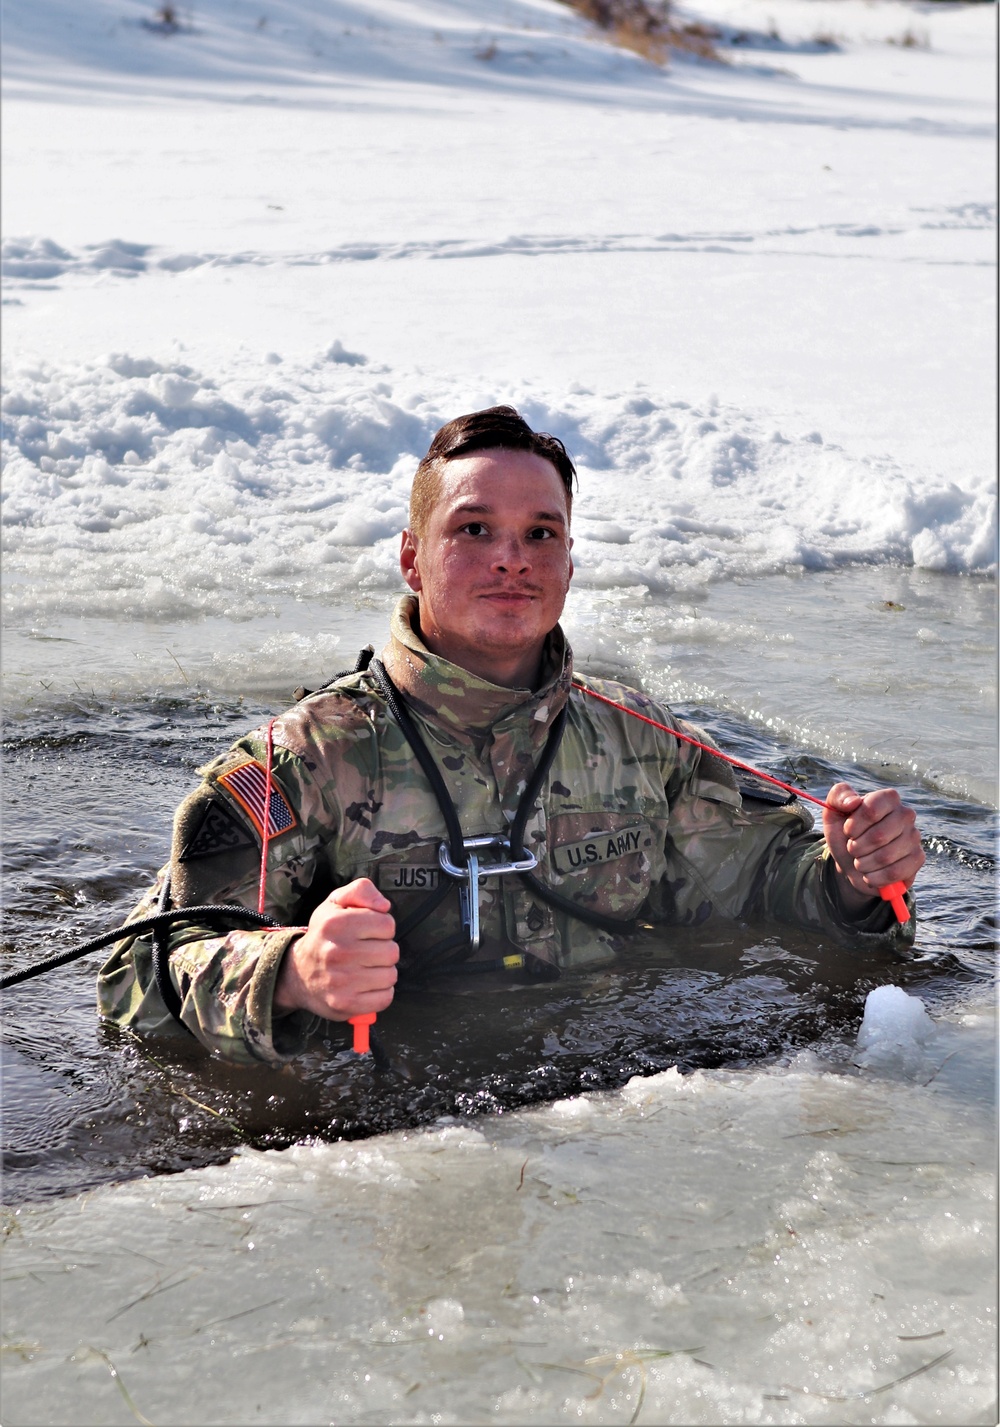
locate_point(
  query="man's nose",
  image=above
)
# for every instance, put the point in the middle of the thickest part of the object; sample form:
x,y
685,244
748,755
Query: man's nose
x,y
512,557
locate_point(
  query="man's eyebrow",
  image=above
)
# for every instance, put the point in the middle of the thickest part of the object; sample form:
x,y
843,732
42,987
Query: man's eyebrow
x,y
553,515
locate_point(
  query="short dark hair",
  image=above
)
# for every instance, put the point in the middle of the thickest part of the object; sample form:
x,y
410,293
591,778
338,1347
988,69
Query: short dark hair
x,y
495,428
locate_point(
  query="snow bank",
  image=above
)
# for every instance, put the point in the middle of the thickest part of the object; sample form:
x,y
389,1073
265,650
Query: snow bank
x,y
151,489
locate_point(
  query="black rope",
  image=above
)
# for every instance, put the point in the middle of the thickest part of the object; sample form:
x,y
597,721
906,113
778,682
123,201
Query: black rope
x,y
527,804
524,810
154,923
213,912
361,664
451,954
160,943
409,730
614,925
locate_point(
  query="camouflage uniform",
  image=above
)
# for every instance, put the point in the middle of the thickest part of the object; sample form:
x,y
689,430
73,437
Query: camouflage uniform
x,y
630,822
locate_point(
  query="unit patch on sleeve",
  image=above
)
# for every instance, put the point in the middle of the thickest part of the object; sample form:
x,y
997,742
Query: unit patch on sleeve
x,y
599,847
217,830
247,784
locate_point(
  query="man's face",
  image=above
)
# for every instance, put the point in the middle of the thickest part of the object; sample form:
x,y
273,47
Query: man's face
x,y
493,565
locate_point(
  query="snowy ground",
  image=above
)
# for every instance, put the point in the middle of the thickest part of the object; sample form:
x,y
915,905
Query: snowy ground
x,y
765,290
251,266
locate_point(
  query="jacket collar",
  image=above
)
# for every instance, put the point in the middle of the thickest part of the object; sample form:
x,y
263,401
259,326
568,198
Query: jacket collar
x,y
444,694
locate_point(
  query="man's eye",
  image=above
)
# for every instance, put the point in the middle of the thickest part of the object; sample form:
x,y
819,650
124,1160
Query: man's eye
x,y
474,527
541,532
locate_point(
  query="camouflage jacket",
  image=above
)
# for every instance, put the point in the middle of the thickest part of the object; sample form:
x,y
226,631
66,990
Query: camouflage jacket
x,y
630,823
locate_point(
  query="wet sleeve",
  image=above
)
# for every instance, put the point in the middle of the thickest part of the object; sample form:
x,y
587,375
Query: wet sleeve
x,y
225,979
741,858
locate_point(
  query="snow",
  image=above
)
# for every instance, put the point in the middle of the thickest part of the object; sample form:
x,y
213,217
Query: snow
x,y
183,493
712,489
806,234
297,43
251,266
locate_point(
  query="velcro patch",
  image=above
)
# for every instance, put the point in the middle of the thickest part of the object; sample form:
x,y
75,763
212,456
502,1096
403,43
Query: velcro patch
x,y
760,790
404,877
598,847
247,783
217,830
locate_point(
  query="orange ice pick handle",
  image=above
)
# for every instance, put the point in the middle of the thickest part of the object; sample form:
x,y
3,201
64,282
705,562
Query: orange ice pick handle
x,y
361,1024
895,893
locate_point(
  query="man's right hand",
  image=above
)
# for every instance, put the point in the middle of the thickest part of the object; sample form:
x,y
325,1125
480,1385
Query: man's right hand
x,y
344,964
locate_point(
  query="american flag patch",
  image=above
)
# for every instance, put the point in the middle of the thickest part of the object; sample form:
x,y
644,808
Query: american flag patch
x,y
247,784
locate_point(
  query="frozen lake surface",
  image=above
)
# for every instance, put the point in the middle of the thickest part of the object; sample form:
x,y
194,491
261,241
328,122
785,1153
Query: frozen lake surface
x,y
250,267
722,1247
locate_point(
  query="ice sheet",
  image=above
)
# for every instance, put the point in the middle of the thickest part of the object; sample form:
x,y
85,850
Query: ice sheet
x,y
724,1247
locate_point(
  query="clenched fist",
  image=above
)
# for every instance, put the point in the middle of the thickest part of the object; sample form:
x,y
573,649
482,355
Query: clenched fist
x,y
874,841
344,964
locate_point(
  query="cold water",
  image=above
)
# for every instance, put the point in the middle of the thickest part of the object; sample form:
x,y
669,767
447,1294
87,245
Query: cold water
x,y
768,1224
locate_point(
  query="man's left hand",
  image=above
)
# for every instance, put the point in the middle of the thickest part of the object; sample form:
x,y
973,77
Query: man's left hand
x,y
876,842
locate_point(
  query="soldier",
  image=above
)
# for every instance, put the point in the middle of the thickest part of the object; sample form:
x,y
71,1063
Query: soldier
x,y
464,804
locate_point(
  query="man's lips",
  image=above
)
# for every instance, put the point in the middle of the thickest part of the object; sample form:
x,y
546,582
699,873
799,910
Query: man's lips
x,y
522,592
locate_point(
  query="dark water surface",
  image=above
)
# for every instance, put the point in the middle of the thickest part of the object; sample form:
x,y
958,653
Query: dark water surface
x,y
89,792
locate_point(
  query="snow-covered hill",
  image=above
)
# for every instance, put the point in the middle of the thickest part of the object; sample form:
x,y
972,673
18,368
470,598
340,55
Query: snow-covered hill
x,y
220,46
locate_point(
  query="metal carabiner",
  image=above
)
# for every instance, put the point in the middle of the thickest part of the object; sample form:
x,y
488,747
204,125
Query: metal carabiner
x,y
472,875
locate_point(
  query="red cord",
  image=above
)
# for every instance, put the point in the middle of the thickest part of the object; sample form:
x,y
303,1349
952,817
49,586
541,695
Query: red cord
x,y
892,893
266,829
895,891
360,1024
715,752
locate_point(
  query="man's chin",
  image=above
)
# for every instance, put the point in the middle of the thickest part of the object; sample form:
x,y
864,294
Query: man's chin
x,y
505,643
517,619
507,637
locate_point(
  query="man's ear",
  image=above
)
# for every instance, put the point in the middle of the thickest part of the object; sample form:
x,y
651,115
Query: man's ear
x,y
408,561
